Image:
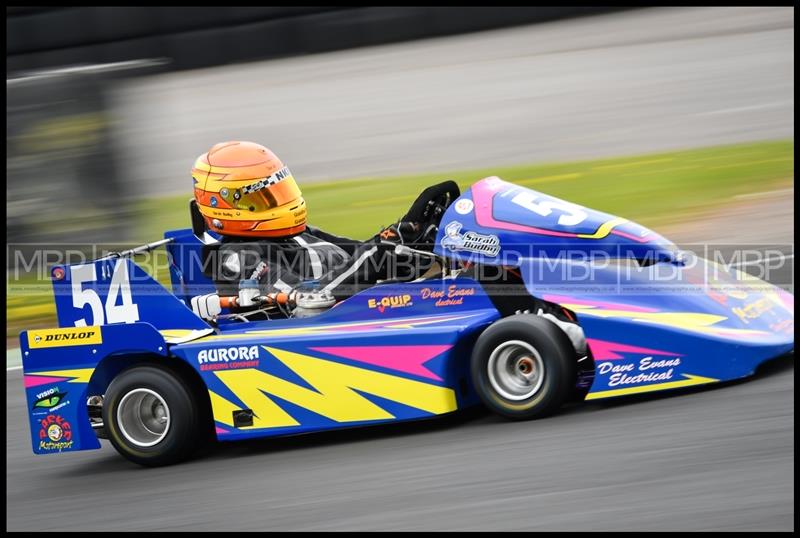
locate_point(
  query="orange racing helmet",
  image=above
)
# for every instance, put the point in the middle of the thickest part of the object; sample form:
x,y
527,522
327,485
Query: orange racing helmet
x,y
243,189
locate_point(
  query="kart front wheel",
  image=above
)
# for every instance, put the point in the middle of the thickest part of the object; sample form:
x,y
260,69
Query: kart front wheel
x,y
151,417
523,367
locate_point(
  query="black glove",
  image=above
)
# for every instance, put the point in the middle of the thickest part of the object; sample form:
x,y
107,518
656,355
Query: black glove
x,y
419,225
400,233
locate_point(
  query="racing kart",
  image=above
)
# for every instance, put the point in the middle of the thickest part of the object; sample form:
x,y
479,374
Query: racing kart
x,y
131,362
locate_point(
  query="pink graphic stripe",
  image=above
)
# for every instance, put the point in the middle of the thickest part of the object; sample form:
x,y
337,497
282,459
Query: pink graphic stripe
x,y
221,430
787,299
36,380
563,299
609,351
389,324
408,359
646,239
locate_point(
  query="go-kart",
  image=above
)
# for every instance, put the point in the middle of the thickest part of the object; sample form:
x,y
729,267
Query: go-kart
x,y
131,362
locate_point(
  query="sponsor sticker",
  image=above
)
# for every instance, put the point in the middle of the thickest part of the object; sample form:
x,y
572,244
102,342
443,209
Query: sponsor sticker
x,y
78,336
227,358
453,240
452,295
277,177
753,310
390,301
299,216
784,326
464,206
223,213
55,433
647,370
49,400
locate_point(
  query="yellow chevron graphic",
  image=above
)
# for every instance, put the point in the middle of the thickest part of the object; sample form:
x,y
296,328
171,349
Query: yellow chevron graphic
x,y
690,321
336,398
81,375
604,229
175,333
688,382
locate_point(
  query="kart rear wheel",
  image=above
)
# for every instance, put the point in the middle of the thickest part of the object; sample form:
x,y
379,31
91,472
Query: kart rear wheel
x,y
523,367
151,417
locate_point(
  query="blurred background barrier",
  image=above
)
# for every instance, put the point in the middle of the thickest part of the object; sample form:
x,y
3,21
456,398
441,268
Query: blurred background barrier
x,y
61,166
194,37
61,161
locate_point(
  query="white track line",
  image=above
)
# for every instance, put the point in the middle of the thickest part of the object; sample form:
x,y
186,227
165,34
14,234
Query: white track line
x,y
761,194
750,108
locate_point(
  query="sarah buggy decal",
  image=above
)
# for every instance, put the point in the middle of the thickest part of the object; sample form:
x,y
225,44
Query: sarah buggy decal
x,y
471,241
452,295
228,358
50,400
55,433
390,301
647,370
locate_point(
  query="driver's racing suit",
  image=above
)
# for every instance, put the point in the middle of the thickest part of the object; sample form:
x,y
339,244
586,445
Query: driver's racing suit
x,y
335,264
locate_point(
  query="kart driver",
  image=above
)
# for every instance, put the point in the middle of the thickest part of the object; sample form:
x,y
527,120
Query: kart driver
x,y
246,194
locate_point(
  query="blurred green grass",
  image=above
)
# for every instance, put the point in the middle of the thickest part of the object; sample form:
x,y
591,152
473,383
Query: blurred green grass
x,y
654,189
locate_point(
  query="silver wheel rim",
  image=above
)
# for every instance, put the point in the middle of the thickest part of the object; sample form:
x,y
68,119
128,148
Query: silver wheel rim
x,y
143,417
516,370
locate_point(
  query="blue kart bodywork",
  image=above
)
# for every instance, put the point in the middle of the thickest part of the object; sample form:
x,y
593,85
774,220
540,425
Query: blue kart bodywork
x,y
401,351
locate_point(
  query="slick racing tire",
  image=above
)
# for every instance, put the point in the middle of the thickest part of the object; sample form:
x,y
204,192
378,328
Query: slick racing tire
x,y
151,416
523,367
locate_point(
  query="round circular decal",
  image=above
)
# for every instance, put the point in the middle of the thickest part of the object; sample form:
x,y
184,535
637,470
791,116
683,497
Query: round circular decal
x,y
464,206
54,432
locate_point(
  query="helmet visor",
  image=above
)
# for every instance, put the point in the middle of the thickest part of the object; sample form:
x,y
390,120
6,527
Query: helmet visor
x,y
276,190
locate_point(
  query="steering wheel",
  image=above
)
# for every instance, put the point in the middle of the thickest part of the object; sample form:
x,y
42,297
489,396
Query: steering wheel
x,y
429,208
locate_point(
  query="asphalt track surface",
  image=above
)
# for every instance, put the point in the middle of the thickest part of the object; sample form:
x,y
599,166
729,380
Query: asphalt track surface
x,y
719,458
715,458
623,83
